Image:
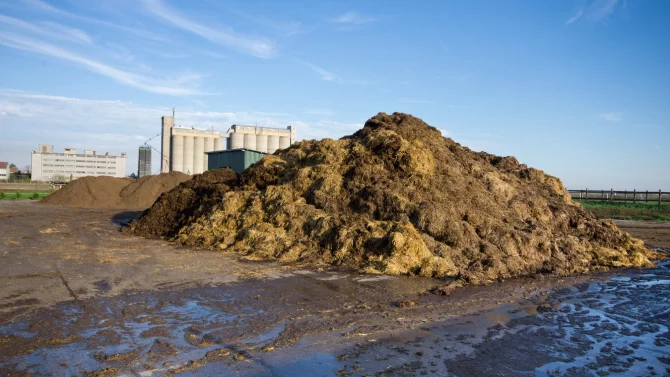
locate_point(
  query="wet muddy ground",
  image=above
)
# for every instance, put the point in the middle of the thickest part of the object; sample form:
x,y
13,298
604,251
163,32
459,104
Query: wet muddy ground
x,y
78,297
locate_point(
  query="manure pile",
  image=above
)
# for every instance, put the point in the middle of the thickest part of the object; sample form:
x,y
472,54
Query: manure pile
x,y
110,192
396,198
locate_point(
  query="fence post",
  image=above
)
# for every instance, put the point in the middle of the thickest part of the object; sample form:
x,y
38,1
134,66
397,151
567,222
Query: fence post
x,y
611,194
586,195
625,195
646,195
602,194
634,193
659,197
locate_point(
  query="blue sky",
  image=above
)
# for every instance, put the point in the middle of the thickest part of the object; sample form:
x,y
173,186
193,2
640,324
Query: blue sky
x,y
579,88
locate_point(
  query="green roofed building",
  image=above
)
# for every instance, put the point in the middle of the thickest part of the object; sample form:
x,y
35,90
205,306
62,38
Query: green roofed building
x,y
236,159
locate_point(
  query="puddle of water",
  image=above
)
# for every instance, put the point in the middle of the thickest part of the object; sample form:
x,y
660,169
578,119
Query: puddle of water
x,y
68,360
333,277
102,286
265,337
374,278
652,283
627,330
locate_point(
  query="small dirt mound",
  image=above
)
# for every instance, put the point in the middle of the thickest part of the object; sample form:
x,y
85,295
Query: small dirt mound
x,y
98,192
143,192
110,192
397,198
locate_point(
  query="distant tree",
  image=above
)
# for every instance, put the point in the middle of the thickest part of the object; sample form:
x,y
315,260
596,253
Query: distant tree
x,y
12,165
133,175
58,178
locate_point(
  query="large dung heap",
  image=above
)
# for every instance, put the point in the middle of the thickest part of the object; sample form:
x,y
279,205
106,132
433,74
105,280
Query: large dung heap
x,y
111,192
397,198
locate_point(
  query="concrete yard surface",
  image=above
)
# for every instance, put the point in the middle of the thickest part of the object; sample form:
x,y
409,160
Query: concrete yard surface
x,y
79,297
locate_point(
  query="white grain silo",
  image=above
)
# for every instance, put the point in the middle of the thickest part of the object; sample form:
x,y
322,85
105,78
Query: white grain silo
x,y
209,146
177,150
189,145
236,141
273,143
262,143
284,142
221,144
198,154
250,141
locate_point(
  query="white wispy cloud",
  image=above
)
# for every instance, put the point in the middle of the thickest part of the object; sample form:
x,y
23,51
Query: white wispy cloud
x,y
284,28
256,46
598,10
415,101
48,29
74,34
354,18
322,112
612,117
119,52
115,117
325,75
48,8
576,17
128,78
121,126
602,9
212,54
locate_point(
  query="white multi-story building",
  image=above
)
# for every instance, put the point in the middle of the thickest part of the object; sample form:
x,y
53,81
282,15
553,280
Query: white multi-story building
x,y
48,165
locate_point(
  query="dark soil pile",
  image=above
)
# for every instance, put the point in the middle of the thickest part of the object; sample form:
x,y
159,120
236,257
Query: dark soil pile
x,y
397,198
193,198
110,192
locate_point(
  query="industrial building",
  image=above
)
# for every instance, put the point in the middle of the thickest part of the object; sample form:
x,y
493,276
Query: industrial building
x,y
261,139
236,159
144,161
185,149
48,165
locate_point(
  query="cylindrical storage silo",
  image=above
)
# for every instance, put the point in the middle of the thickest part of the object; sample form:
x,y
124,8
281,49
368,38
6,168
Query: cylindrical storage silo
x,y
221,144
199,155
177,153
189,145
209,146
250,141
273,144
284,142
262,143
236,141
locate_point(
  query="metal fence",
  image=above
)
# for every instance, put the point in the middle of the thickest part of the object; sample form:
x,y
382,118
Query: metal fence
x,y
634,196
32,186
